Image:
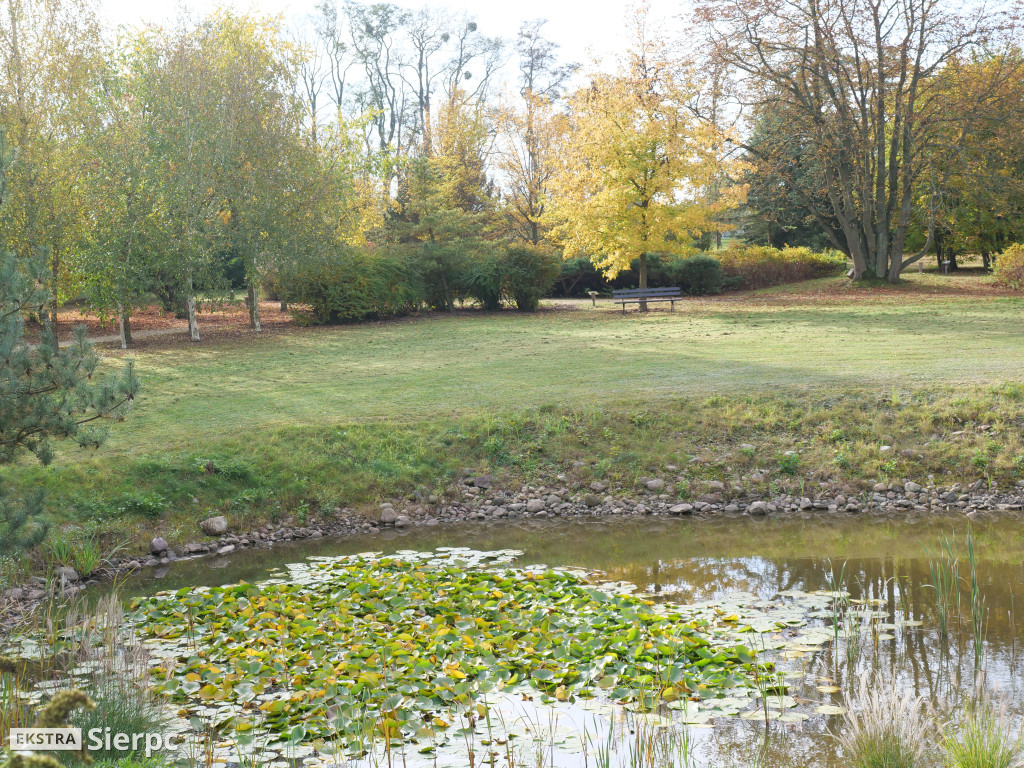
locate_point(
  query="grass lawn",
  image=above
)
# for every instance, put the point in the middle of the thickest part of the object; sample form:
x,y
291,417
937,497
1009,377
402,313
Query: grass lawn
x,y
345,414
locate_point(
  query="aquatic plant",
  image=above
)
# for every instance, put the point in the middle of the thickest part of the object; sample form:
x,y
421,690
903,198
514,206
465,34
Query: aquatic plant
x,y
884,728
944,566
979,613
416,640
983,738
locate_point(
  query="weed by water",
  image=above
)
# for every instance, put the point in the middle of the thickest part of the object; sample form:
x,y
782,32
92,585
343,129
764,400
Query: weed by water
x,y
884,728
983,737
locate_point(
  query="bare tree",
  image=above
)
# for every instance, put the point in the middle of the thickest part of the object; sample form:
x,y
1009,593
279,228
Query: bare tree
x,y
856,79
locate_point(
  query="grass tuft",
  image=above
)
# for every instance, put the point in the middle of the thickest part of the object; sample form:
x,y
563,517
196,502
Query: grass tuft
x,y
884,728
983,738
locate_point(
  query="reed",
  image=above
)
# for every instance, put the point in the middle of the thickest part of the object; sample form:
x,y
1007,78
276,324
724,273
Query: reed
x,y
979,612
944,567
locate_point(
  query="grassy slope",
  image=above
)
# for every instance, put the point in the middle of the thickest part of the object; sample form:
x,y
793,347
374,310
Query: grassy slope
x,y
346,414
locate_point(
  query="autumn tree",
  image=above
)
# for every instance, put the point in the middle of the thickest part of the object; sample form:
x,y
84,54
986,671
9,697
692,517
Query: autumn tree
x,y
121,189
530,128
853,79
49,55
633,164
47,393
980,204
446,202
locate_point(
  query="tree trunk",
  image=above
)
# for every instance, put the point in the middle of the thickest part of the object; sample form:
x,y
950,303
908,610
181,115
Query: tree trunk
x,y
986,260
643,278
284,305
190,308
124,322
254,307
51,322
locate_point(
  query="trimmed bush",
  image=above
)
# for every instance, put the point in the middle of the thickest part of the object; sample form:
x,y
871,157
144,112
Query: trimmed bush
x,y
1009,271
761,266
352,285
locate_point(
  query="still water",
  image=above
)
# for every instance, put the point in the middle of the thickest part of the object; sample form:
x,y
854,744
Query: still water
x,y
686,559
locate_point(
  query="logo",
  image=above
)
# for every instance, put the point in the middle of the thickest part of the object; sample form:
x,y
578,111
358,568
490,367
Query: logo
x,y
70,739
48,739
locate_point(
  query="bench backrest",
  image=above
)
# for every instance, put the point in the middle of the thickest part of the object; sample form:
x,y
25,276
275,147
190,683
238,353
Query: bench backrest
x,y
646,293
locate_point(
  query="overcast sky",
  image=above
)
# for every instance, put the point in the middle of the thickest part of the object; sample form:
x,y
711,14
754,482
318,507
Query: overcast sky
x,y
582,27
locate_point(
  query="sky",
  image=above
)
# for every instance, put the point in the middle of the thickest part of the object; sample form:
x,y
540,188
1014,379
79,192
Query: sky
x,y
583,28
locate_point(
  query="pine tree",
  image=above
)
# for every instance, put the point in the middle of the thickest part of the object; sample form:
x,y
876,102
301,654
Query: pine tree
x,y
46,392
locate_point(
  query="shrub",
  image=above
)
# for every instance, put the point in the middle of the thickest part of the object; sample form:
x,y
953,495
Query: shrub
x,y
760,266
577,276
698,275
1009,271
352,285
530,271
518,274
483,280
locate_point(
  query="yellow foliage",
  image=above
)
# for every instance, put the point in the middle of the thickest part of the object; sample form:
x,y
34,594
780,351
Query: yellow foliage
x,y
635,164
1009,269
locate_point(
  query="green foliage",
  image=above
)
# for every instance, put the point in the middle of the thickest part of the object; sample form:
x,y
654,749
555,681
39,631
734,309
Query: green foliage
x,y
483,279
441,635
351,284
45,393
789,464
699,275
1009,271
518,273
530,271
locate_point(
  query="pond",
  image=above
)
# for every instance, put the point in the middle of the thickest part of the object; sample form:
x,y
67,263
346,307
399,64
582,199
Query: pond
x,y
887,567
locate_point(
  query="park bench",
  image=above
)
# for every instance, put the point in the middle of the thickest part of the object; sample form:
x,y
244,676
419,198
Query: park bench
x,y
639,295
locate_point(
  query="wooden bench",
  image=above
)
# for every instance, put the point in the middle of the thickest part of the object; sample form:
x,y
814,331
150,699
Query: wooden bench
x,y
646,295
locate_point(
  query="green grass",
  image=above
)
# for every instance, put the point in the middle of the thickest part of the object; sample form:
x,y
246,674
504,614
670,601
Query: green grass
x,y
310,418
426,368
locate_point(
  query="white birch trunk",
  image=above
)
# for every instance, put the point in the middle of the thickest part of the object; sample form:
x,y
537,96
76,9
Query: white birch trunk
x,y
193,326
124,333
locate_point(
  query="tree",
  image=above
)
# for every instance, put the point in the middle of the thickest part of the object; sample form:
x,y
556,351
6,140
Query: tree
x,y
446,203
633,163
530,131
259,177
46,393
114,262
49,54
778,167
980,205
853,78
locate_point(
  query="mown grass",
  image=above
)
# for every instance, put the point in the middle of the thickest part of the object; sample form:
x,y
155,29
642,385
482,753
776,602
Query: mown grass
x,y
307,419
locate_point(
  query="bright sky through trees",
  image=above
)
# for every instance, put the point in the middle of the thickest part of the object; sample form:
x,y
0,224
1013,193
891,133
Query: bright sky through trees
x,y
581,27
